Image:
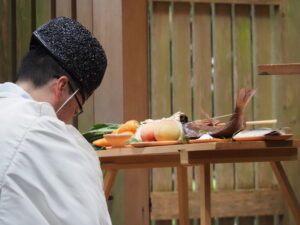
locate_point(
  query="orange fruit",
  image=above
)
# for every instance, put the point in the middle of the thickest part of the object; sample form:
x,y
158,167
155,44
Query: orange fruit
x,y
130,126
127,132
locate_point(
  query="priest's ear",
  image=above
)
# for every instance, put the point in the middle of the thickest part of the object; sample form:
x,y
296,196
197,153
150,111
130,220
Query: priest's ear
x,y
61,86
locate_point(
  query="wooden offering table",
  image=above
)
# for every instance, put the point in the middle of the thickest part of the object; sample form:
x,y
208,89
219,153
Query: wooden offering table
x,y
202,155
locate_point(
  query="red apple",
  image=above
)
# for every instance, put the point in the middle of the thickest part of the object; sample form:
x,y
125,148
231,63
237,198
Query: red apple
x,y
167,130
147,132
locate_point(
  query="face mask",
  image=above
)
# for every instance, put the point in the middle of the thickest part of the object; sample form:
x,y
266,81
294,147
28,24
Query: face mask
x,y
74,93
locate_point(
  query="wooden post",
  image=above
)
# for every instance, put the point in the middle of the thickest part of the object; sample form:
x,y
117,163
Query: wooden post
x,y
121,26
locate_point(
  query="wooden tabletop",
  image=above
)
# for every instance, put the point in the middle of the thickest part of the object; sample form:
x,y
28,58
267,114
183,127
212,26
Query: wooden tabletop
x,y
188,154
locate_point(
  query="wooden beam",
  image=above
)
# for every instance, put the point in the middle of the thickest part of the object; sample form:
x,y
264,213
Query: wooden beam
x,y
109,180
248,2
287,190
238,155
224,204
162,156
279,69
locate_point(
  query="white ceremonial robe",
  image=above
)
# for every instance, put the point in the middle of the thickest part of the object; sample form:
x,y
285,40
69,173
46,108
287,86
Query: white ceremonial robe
x,y
49,174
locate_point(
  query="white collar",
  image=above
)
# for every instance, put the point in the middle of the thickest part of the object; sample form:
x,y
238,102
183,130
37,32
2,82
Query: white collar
x,y
13,88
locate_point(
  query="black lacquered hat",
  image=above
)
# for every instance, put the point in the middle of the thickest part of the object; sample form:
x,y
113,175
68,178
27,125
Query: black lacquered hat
x,y
76,50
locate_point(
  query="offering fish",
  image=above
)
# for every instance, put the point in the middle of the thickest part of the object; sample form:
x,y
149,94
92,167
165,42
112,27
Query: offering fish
x,y
196,129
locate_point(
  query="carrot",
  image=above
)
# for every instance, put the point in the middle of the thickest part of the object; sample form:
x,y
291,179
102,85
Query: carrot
x,y
101,142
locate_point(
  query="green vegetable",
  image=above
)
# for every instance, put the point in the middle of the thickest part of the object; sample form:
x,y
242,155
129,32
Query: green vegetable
x,y
98,130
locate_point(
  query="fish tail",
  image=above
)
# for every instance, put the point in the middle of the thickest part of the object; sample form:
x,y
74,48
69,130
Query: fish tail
x,y
243,98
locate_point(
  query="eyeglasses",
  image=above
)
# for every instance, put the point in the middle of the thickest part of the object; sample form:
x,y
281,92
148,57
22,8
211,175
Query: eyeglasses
x,y
77,112
80,110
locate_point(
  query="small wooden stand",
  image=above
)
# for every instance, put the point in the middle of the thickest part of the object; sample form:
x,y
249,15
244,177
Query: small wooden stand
x,y
182,156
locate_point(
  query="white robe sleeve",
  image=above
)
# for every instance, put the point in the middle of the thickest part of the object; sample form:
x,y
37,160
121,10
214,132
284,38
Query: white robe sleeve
x,y
54,178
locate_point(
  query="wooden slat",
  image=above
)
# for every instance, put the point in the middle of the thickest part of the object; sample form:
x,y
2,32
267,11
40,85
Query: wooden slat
x,y
263,109
181,66
248,2
181,59
243,53
160,85
223,103
202,76
244,173
224,204
44,11
279,69
84,14
64,8
7,63
223,82
202,49
160,62
223,99
23,27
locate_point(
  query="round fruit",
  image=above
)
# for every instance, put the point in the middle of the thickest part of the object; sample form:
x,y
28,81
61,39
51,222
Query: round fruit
x,y
130,125
147,132
167,130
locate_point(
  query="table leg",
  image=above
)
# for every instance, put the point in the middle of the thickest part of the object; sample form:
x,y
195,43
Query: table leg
x,y
183,203
287,190
109,180
205,194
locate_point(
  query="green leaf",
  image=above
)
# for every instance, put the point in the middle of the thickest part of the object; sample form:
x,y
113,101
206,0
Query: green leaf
x,y
98,130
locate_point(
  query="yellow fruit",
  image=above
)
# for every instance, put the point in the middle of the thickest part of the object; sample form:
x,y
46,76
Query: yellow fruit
x,y
167,130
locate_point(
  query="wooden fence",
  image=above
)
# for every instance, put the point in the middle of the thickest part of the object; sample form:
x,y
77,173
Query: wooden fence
x,y
199,54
